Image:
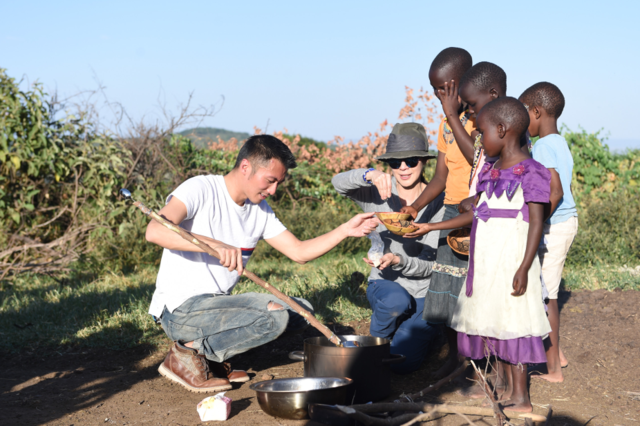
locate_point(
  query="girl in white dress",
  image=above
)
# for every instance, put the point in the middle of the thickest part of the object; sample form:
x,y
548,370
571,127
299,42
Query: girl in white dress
x,y
499,311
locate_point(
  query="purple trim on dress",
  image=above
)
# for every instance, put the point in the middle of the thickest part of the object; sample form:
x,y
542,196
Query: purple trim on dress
x,y
524,350
535,181
533,176
484,213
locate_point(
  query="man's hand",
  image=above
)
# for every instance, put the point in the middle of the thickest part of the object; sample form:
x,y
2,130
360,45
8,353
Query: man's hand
x,y
423,228
450,100
409,210
361,224
230,257
387,260
382,181
520,281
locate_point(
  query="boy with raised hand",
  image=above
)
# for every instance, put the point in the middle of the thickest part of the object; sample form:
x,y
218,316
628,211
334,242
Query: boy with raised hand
x,y
453,167
545,104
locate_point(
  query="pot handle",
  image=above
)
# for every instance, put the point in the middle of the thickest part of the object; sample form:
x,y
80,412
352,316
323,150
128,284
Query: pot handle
x,y
395,359
296,355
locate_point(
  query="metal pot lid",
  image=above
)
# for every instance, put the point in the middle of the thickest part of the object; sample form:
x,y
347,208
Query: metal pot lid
x,y
300,384
364,341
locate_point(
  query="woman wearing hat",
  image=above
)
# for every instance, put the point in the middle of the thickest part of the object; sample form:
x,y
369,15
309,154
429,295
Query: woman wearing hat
x,y
397,287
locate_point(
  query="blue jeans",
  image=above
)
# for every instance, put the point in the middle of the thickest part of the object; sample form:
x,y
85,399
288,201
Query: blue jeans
x,y
398,316
222,326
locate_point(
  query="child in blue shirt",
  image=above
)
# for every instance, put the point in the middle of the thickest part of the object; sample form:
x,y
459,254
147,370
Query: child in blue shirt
x,y
545,103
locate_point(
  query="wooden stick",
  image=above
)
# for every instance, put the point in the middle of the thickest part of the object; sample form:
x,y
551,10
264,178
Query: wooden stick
x,y
253,277
482,381
376,421
416,407
458,371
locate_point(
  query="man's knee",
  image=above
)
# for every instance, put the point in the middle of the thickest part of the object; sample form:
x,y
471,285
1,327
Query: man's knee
x,y
273,306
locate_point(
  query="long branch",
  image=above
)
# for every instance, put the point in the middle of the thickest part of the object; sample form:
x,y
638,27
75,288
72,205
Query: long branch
x,y
253,277
416,407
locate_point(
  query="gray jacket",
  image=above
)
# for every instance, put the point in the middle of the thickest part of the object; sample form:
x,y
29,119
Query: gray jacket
x,y
417,255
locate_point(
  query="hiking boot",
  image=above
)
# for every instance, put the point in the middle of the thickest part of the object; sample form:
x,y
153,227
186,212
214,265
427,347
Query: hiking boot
x,y
186,367
223,369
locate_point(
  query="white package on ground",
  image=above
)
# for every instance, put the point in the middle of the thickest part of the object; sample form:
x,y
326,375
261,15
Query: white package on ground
x,y
217,407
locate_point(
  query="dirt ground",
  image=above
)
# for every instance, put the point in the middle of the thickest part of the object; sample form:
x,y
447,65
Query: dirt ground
x,y
600,337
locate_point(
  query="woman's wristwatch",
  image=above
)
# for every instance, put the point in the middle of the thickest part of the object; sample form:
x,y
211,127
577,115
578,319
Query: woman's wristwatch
x,y
364,176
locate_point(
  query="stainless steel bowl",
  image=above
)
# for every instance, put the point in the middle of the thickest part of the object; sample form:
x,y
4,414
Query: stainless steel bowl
x,y
290,398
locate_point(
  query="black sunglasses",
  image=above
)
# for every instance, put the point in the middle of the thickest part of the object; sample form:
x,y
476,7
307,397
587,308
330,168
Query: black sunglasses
x,y
395,163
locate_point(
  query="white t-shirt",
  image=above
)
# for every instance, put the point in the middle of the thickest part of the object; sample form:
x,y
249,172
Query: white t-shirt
x,y
212,213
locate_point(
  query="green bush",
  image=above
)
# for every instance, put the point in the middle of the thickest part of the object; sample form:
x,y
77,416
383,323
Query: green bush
x,y
598,171
59,179
609,231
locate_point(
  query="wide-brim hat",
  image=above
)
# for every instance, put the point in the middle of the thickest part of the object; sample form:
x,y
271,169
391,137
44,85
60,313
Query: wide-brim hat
x,y
407,140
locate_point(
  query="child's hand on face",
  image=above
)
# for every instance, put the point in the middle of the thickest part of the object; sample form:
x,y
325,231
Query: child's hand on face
x,y
409,210
520,281
423,228
450,99
387,260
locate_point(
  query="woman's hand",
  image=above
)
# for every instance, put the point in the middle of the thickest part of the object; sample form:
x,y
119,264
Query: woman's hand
x,y
450,100
382,181
409,210
387,260
423,228
520,281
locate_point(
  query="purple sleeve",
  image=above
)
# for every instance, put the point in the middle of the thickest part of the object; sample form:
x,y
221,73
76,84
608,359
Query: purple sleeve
x,y
536,183
483,178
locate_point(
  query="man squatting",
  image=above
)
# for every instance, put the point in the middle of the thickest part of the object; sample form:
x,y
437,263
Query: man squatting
x,y
193,300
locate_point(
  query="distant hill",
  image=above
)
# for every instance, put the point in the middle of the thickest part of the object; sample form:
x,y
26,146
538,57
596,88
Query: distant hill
x,y
201,137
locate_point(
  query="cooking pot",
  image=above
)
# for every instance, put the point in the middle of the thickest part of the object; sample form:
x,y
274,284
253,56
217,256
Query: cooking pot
x,y
290,398
367,365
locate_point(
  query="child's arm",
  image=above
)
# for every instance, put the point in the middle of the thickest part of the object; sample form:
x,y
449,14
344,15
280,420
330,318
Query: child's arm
x,y
467,204
451,105
433,189
556,194
464,219
520,280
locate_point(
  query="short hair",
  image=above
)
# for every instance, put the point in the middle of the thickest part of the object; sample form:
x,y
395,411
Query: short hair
x,y
509,111
544,95
485,76
455,59
259,149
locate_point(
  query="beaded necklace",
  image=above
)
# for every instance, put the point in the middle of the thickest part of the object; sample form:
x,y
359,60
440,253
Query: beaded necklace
x,y
477,154
448,133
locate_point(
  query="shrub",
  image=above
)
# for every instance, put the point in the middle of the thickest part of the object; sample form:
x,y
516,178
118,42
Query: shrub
x,y
609,231
53,173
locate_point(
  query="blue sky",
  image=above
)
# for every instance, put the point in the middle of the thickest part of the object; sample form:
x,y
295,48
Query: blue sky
x,y
324,68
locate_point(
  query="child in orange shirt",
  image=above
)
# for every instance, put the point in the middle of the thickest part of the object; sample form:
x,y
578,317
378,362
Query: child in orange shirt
x,y
453,167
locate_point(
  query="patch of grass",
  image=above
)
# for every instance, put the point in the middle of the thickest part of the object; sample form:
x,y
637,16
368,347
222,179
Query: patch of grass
x,y
595,277
335,285
37,311
111,311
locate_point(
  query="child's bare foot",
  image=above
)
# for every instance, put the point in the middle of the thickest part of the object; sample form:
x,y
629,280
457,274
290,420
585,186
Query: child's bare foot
x,y
555,377
564,362
518,406
472,392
